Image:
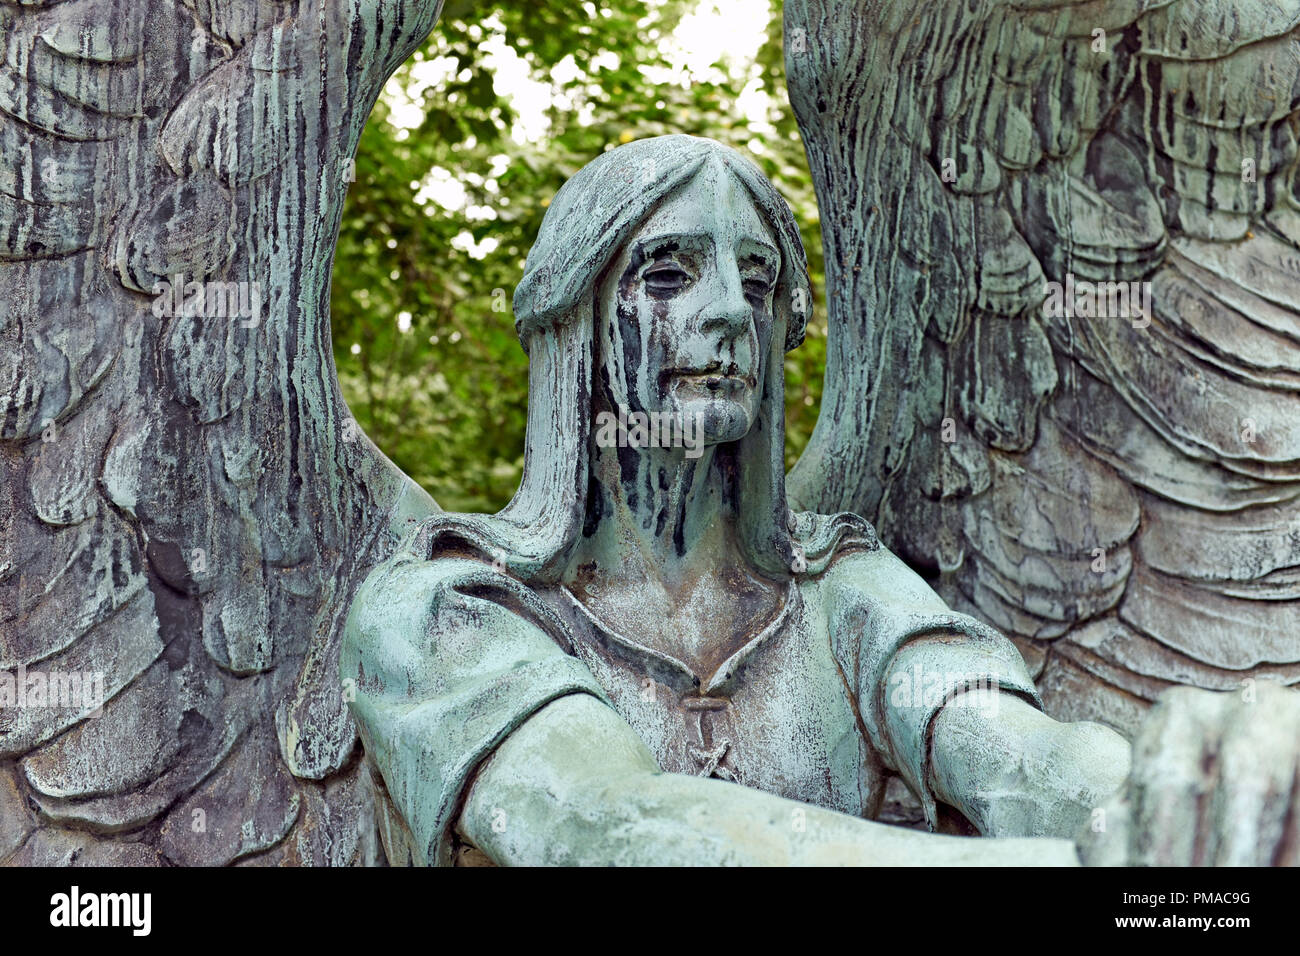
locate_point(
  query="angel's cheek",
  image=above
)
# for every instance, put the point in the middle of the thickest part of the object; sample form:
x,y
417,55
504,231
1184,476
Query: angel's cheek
x,y
639,340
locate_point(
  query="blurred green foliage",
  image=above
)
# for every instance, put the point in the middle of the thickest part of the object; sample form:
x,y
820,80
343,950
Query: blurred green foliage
x,y
423,333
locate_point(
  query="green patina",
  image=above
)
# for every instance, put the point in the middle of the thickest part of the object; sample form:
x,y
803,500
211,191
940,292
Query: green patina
x,y
587,675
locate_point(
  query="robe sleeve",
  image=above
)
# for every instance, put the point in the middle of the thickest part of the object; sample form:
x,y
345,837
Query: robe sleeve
x,y
909,655
445,659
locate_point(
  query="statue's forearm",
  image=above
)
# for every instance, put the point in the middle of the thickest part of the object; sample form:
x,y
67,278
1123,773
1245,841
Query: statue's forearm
x,y
574,785
1013,771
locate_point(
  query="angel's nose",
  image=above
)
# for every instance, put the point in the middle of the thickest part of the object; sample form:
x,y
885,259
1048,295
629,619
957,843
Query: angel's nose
x,y
728,311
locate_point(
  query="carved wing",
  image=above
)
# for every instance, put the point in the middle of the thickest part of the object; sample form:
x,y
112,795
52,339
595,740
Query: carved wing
x,y
187,504
1118,491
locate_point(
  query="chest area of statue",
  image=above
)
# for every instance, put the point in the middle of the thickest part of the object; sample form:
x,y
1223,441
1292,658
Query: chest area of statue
x,y
768,709
701,624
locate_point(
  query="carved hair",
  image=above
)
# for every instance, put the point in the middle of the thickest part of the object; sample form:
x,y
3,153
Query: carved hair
x,y
556,307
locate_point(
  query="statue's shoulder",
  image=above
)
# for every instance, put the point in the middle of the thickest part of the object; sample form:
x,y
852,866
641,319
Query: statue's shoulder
x,y
416,600
875,576
405,593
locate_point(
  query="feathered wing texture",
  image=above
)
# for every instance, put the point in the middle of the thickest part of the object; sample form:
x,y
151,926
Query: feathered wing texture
x,y
187,505
1118,493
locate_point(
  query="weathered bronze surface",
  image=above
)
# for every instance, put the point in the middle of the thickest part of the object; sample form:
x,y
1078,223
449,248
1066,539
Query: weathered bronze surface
x,y
188,511
563,682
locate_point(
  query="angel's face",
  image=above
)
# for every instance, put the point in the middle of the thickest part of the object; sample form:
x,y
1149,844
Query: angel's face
x,y
686,309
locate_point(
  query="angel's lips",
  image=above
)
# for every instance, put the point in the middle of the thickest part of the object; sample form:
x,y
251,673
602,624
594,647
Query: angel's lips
x,y
710,380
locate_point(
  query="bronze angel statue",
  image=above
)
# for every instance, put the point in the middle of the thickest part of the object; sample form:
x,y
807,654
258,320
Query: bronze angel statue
x,y
657,652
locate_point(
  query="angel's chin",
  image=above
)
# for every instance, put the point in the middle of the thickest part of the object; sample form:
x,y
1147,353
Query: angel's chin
x,y
715,418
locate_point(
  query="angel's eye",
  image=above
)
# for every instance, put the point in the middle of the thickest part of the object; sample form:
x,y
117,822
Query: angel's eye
x,y
756,290
665,280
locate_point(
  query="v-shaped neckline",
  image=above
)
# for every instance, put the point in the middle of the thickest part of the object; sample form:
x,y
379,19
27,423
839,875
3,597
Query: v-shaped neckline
x,y
724,671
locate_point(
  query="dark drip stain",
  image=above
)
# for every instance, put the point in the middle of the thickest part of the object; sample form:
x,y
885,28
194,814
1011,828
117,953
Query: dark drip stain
x,y
598,506
627,469
629,328
649,493
679,531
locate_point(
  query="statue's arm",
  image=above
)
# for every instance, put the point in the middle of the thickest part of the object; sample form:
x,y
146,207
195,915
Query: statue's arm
x,y
1014,771
1210,780
575,785
950,706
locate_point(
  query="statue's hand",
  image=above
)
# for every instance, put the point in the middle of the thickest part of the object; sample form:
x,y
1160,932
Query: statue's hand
x,y
1215,781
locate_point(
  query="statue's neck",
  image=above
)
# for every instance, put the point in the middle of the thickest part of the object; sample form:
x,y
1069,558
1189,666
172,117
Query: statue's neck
x,y
660,559
660,515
